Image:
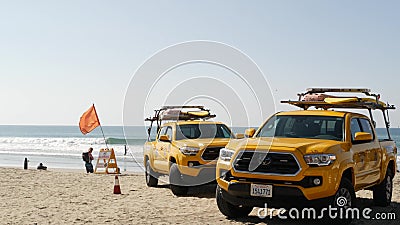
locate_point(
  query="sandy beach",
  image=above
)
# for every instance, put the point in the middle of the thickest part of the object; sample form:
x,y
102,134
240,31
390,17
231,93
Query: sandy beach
x,y
73,197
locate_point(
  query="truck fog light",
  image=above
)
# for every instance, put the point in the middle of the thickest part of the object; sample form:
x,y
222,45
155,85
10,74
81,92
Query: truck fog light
x,y
190,164
317,181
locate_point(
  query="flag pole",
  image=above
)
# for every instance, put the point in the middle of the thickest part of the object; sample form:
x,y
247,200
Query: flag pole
x,y
104,137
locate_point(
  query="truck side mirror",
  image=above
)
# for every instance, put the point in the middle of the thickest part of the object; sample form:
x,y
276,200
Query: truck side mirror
x,y
164,138
250,132
239,136
362,137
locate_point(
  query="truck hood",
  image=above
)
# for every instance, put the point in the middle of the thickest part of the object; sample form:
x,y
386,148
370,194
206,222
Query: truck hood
x,y
304,145
203,143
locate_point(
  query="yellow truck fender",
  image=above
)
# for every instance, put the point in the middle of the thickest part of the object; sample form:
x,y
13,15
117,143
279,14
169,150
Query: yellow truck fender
x,y
346,169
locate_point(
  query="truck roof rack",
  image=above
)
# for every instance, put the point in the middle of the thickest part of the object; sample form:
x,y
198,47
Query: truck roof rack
x,y
176,113
323,90
171,113
316,97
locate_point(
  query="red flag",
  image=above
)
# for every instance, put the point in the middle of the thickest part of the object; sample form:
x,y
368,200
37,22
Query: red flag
x,y
89,120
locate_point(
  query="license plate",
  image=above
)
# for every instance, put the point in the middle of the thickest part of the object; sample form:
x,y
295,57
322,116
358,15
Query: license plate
x,y
261,190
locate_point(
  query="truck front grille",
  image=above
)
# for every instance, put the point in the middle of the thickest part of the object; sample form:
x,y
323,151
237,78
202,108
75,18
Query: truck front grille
x,y
211,153
266,163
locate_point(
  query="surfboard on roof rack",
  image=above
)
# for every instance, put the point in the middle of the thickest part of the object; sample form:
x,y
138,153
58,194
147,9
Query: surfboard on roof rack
x,y
317,97
187,112
181,113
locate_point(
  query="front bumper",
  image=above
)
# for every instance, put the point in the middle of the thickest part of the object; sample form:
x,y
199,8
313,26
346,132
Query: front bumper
x,y
204,176
283,197
195,165
237,184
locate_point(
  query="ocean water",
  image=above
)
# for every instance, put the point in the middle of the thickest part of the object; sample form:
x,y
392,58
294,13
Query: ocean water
x,y
62,146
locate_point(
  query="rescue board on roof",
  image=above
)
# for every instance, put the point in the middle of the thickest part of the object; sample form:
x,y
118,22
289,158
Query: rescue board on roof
x,y
318,98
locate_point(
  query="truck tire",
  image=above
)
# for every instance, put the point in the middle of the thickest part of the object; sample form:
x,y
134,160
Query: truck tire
x,y
176,181
346,193
229,210
383,191
151,180
344,198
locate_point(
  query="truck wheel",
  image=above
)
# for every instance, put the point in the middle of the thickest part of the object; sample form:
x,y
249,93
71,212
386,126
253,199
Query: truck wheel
x,y
151,180
229,210
344,198
176,181
383,191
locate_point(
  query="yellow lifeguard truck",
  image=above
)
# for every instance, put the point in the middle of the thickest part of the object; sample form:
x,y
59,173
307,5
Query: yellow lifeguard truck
x,y
311,157
186,147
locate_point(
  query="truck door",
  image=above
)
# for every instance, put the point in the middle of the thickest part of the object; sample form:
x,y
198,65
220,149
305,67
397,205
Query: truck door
x,y
361,155
358,154
163,148
158,151
373,153
166,148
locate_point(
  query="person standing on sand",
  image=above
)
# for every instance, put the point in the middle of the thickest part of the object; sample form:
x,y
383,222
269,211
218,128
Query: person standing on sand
x,y
88,157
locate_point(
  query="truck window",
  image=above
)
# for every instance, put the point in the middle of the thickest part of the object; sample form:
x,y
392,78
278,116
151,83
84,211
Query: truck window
x,y
366,126
269,129
316,127
224,132
354,127
162,132
169,132
360,125
194,131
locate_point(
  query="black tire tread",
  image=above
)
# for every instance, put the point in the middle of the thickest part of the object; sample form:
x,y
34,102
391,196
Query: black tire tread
x,y
153,181
345,183
379,192
229,210
175,180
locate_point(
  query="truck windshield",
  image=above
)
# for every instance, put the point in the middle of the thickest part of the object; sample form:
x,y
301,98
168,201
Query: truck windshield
x,y
194,131
316,127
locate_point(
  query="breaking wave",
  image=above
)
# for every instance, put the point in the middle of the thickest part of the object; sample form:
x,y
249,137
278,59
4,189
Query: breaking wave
x,y
63,146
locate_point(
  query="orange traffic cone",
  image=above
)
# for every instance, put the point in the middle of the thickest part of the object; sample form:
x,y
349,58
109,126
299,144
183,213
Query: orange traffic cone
x,y
117,189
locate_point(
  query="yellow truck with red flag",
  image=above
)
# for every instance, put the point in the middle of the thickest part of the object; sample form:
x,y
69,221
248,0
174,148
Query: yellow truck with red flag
x,y
310,157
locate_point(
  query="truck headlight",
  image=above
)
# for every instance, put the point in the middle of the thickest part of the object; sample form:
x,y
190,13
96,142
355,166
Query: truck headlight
x,y
226,154
320,159
189,150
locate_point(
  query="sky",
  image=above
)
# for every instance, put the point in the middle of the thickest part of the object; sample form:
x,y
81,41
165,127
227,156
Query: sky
x,y
59,57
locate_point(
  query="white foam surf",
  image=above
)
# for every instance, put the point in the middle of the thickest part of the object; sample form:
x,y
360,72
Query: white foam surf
x,y
57,146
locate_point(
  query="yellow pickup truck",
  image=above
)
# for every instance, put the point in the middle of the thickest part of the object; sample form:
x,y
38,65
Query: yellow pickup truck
x,y
316,157
186,147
